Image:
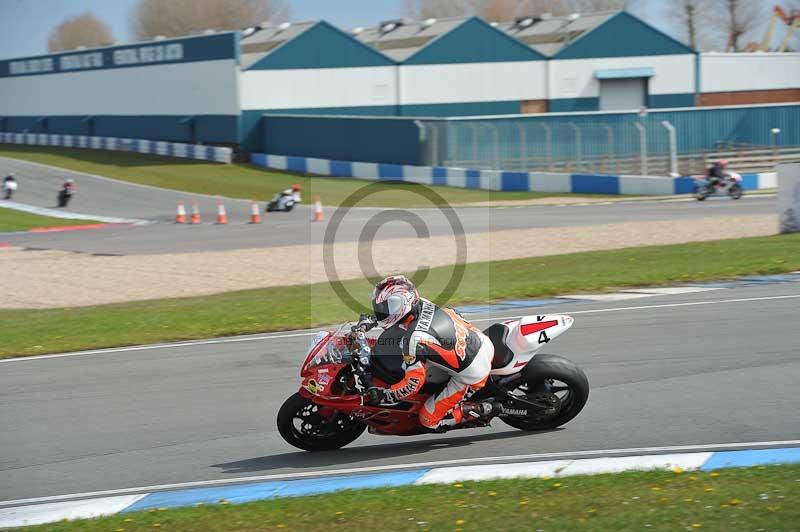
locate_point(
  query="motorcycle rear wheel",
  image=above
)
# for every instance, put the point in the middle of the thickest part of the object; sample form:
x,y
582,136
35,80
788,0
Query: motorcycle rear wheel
x,y
311,433
542,375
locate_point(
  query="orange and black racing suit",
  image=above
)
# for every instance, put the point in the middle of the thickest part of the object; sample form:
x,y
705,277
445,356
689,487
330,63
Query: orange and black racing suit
x,y
440,337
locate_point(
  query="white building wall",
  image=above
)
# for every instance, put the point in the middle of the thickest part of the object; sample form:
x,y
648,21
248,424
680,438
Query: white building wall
x,y
207,87
318,88
749,72
575,78
473,82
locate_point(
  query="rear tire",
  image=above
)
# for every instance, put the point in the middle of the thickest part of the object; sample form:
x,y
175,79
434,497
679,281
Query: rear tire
x,y
541,370
293,409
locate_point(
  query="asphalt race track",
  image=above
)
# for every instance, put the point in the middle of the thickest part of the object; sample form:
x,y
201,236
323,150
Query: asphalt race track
x,y
664,371
114,198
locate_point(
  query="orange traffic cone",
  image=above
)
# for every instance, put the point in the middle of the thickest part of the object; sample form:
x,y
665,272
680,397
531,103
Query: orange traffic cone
x,y
317,210
180,217
222,216
255,216
195,217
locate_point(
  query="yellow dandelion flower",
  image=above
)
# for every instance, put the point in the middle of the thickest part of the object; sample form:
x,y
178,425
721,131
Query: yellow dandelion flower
x,y
697,525
677,470
339,513
692,477
460,522
523,503
492,493
458,485
545,478
557,485
128,520
655,488
709,489
735,502
714,474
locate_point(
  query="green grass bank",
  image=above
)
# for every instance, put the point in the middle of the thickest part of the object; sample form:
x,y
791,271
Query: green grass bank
x,y
761,498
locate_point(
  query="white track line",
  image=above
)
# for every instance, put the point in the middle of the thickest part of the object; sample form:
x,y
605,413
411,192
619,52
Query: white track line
x,y
417,465
314,331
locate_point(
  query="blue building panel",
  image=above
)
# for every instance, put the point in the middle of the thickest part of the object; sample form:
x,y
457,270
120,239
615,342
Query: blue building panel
x,y
208,129
622,35
473,41
509,107
570,105
182,50
671,100
322,46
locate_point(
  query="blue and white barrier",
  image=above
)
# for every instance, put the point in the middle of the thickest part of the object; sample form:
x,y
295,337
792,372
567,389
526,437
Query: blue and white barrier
x,y
48,512
152,147
497,179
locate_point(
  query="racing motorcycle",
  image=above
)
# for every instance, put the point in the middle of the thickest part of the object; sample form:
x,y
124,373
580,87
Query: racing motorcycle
x,y
282,202
534,391
731,185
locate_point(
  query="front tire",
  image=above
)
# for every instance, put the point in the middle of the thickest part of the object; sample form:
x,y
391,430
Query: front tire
x,y
701,192
541,374
735,192
300,424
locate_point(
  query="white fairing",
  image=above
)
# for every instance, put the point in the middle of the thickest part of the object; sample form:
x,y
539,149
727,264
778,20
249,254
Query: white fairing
x,y
529,334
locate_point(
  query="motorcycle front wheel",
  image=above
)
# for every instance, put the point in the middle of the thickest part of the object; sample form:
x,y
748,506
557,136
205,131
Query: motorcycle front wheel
x,y
701,192
554,380
302,425
735,192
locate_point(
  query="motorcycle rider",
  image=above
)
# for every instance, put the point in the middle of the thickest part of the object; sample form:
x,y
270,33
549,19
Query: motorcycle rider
x,y
9,186
293,192
718,172
430,335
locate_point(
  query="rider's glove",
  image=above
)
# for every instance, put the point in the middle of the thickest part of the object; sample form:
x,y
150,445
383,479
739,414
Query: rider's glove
x,y
376,396
365,323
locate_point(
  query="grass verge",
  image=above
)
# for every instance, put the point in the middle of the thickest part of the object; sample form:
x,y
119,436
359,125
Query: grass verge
x,y
761,498
239,180
31,332
14,220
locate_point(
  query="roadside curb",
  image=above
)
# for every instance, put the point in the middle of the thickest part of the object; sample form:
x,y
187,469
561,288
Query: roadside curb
x,y
630,293
67,215
696,461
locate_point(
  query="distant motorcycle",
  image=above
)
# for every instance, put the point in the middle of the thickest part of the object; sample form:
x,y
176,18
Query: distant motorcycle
x,y
65,195
282,202
9,187
706,186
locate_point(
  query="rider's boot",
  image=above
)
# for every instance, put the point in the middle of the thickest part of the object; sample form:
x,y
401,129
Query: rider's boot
x,y
483,410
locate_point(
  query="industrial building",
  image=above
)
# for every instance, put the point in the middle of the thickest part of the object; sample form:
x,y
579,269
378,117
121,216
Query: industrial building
x,y
215,88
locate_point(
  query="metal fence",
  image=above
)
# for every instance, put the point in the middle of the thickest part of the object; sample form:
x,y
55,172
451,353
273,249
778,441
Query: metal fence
x,y
658,143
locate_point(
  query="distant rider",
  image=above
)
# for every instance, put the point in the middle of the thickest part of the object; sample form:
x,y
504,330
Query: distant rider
x,y
428,335
9,186
718,171
293,192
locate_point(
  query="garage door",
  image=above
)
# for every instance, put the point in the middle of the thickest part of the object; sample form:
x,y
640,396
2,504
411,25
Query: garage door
x,y
625,93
